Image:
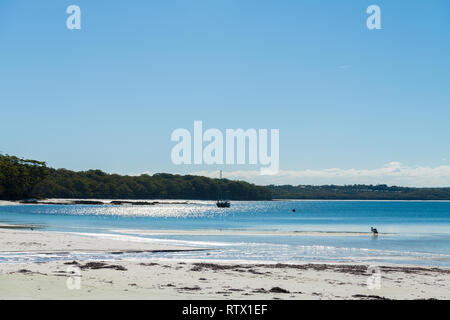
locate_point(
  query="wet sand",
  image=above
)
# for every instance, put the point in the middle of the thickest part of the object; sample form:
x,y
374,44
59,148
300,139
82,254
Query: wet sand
x,y
13,239
232,232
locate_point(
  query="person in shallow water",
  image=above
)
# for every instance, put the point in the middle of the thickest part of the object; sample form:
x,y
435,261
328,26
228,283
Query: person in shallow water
x,y
374,231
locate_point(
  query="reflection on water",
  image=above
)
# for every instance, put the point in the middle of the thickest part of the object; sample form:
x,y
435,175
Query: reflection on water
x,y
418,232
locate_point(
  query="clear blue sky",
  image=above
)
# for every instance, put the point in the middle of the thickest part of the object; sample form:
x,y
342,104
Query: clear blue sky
x,y
109,95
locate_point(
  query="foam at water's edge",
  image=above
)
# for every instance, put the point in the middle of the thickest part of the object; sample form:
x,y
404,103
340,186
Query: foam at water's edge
x,y
242,251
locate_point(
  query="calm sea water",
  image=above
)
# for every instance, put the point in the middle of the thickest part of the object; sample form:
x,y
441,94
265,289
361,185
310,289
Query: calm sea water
x,y
411,232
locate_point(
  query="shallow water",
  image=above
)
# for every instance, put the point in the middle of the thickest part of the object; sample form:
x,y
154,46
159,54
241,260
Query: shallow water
x,y
414,232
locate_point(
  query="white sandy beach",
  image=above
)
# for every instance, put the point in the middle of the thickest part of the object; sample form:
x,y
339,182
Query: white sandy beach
x,y
8,203
14,240
176,279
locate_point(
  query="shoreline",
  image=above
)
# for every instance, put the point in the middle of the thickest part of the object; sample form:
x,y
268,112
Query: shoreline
x,y
153,202
206,232
233,232
14,240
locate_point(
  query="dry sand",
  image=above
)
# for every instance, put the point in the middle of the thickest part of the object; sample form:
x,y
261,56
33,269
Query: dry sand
x,y
159,279
176,279
8,203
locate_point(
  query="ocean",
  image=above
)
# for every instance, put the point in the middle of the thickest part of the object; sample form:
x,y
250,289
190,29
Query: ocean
x,y
411,232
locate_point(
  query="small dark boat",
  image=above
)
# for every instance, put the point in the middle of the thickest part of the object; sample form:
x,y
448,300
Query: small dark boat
x,y
221,203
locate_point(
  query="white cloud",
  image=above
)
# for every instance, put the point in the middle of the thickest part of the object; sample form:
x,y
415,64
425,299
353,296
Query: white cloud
x,y
394,173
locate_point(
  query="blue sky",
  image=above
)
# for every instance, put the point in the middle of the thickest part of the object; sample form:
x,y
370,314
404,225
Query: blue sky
x,y
109,95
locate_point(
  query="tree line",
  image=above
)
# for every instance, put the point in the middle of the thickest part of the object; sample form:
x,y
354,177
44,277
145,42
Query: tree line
x,y
18,177
358,192
24,179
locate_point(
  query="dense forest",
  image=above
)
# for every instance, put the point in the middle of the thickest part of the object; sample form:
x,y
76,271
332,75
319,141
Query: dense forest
x,y
358,192
22,179
25,179
18,177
